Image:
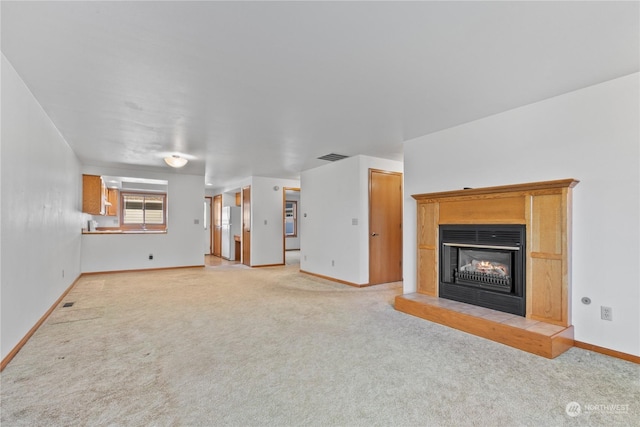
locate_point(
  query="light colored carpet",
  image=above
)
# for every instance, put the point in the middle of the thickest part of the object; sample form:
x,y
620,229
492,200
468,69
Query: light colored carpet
x,y
292,257
270,346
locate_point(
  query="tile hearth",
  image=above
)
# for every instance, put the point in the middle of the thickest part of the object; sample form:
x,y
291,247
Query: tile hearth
x,y
544,339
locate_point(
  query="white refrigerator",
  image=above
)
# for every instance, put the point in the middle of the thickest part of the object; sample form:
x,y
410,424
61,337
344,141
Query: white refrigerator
x,y
230,228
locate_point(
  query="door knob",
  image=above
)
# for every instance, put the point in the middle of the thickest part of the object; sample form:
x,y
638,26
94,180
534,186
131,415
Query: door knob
x,y
374,234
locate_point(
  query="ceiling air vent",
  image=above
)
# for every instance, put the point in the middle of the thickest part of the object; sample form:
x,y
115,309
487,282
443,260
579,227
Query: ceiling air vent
x,y
333,157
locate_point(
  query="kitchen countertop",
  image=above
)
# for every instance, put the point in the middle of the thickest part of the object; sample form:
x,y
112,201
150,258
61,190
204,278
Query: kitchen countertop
x,y
125,232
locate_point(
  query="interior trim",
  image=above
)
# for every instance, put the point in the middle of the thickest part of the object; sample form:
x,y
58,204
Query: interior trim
x,y
333,279
35,327
90,273
607,351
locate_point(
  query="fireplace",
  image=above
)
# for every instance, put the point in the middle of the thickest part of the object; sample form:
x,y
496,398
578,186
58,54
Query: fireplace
x,y
532,278
484,265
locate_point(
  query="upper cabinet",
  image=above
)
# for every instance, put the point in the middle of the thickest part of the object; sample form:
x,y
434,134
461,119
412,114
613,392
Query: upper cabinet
x,y
97,199
112,202
93,195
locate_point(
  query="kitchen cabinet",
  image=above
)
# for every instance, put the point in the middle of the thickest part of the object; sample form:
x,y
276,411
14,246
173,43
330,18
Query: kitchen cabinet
x,y
97,199
93,195
112,199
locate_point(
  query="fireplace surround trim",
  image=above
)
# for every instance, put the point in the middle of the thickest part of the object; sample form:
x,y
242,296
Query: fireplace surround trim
x,y
544,208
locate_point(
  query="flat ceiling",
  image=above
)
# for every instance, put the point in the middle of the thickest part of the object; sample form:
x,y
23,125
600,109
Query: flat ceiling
x,y
264,88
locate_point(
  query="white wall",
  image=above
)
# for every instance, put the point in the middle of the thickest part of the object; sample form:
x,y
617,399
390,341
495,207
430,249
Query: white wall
x,y
333,196
180,246
592,135
229,198
40,218
267,229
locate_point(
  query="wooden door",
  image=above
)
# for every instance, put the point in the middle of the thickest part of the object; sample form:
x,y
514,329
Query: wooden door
x,y
217,225
246,226
385,226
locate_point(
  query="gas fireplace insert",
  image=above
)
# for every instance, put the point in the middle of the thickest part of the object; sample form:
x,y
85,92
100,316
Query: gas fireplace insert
x,y
484,265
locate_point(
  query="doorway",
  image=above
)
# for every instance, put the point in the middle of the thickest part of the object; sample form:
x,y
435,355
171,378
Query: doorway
x,y
246,225
385,226
290,226
208,229
217,225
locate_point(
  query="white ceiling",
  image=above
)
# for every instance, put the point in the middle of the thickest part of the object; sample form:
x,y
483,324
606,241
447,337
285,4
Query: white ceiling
x,y
264,88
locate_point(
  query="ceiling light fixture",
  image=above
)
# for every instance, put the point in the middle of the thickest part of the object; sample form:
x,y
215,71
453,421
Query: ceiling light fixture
x,y
176,161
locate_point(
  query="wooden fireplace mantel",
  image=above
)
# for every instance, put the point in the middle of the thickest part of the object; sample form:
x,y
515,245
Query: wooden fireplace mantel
x,y
545,210
530,187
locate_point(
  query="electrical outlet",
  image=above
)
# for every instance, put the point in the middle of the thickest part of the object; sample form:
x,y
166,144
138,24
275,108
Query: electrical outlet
x,y
333,263
63,273
150,256
606,313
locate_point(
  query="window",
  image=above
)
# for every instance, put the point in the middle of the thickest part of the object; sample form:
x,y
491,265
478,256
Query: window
x,y
143,211
290,218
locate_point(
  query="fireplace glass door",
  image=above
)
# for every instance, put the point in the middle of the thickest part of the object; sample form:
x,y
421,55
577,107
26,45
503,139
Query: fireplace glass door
x,y
485,268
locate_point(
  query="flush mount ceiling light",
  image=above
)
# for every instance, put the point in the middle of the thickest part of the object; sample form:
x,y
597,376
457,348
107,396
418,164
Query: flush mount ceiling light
x,y
176,161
